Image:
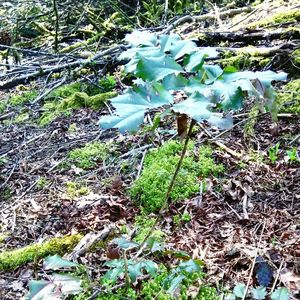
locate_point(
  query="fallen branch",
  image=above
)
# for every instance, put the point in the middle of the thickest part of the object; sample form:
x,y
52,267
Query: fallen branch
x,y
202,18
78,64
88,241
247,37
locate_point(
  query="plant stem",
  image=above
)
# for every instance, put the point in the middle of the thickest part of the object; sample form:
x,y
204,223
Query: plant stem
x,y
56,25
171,185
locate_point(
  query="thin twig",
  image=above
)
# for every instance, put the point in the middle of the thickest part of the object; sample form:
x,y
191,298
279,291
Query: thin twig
x,y
277,276
254,261
170,188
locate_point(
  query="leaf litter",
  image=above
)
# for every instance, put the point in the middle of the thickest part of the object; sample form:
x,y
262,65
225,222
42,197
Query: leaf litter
x,y
226,222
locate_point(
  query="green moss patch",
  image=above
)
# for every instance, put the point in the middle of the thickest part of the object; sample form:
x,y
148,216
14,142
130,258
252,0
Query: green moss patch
x,y
289,99
150,188
88,156
24,98
10,260
245,58
282,17
75,96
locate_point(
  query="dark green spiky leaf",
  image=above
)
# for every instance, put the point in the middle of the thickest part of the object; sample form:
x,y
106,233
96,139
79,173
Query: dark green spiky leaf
x,y
281,293
157,68
125,244
115,263
173,82
127,122
259,293
35,286
239,290
154,245
55,262
194,62
155,93
134,269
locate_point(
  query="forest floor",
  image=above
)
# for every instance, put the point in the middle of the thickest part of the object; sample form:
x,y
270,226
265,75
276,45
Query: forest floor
x,y
252,209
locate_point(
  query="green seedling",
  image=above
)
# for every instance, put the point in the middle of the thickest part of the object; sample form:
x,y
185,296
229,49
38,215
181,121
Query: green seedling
x,y
274,153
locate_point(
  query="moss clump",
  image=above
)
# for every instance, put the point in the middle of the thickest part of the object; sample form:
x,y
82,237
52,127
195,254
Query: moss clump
x,y
81,99
143,224
283,17
159,166
252,119
75,96
75,189
25,97
207,293
10,260
21,118
289,99
2,107
246,58
89,156
296,56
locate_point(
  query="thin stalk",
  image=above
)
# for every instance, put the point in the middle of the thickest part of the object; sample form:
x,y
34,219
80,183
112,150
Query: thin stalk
x,y
171,185
56,24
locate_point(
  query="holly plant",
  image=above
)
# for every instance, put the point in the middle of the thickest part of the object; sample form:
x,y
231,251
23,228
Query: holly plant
x,y
173,75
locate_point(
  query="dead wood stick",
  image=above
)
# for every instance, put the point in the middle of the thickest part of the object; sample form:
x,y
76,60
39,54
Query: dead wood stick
x,y
246,37
88,241
79,64
209,16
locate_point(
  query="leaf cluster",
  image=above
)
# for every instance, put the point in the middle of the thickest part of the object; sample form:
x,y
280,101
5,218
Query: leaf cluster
x,y
165,65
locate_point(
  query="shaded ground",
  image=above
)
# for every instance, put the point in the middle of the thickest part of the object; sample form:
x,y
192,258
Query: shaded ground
x,y
254,208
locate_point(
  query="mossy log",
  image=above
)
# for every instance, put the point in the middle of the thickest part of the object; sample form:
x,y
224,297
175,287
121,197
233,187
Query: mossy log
x,y
9,260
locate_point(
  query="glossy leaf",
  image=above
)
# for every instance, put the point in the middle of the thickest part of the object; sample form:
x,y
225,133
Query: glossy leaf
x,y
174,283
259,293
198,108
210,73
134,269
173,82
137,38
125,244
195,61
131,107
54,289
55,262
229,95
281,293
157,68
239,290
265,76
